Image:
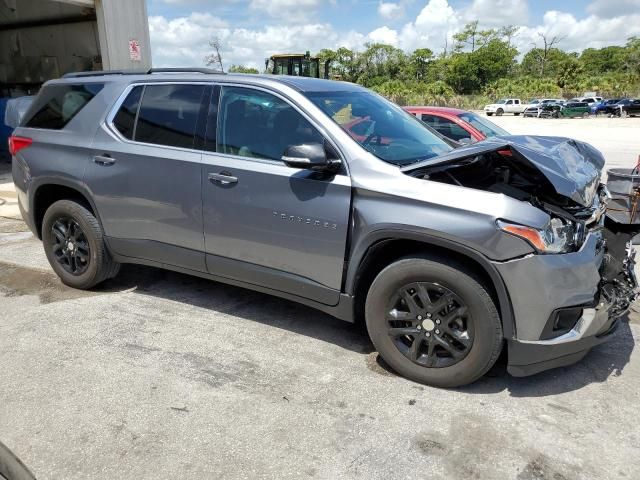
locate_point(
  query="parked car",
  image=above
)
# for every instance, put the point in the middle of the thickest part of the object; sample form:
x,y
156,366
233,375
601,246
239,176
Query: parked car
x,y
534,110
568,110
600,108
446,254
505,105
458,125
589,100
626,107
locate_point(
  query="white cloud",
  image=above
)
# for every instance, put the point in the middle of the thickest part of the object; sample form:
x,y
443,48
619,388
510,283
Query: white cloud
x,y
497,13
390,10
432,28
613,8
576,35
288,10
384,35
184,41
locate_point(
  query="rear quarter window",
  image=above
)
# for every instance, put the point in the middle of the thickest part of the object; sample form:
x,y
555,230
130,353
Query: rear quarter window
x,y
56,105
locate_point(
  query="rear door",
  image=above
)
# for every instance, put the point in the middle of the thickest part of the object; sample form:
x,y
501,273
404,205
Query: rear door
x,y
145,175
266,223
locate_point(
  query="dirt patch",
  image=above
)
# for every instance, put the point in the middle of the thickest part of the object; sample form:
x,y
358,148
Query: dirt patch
x,y
16,281
540,469
375,363
11,225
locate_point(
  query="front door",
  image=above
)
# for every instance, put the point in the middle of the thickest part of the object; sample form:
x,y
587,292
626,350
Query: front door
x,y
266,223
145,176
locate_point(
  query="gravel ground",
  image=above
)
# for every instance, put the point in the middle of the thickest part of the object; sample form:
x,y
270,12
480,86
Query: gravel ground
x,y
159,375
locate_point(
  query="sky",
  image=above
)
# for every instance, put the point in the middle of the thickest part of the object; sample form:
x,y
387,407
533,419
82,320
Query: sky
x,y
252,30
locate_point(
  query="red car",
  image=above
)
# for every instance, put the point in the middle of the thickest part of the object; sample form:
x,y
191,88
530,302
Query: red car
x,y
459,125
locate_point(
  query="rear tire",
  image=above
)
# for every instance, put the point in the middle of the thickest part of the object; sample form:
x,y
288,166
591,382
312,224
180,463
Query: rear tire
x,y
74,243
456,315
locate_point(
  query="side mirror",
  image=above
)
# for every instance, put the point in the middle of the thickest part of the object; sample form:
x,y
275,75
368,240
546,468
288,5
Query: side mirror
x,y
311,156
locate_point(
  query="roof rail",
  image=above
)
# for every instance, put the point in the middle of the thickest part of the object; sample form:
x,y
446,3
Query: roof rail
x,y
185,70
97,73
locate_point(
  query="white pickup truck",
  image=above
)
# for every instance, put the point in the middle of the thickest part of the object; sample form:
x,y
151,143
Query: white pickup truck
x,y
505,105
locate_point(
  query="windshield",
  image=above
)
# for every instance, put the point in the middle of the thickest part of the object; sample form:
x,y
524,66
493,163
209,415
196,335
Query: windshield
x,y
381,127
488,128
501,101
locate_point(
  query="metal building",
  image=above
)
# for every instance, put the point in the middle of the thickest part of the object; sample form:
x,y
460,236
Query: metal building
x,y
43,39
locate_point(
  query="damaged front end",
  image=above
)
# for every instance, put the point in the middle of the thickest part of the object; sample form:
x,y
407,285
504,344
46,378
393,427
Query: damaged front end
x,y
562,177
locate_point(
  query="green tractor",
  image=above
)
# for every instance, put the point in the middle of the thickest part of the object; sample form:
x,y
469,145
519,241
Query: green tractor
x,y
298,65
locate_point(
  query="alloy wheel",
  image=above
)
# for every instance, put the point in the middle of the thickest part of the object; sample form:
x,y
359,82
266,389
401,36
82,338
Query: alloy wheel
x,y
429,324
70,246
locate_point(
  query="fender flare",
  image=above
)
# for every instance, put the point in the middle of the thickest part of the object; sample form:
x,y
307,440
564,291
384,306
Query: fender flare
x,y
365,244
43,181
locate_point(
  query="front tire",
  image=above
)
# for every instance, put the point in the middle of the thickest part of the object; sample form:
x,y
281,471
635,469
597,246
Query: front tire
x,y
499,112
433,321
489,114
74,244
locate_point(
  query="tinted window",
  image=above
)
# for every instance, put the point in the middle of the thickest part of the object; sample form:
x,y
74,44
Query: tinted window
x,y
489,129
256,124
125,119
446,127
168,114
56,105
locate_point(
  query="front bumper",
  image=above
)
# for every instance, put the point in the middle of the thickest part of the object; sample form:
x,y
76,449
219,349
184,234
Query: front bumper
x,y
540,286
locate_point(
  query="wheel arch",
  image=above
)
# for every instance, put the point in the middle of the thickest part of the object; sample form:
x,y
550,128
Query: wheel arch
x,y
384,247
46,191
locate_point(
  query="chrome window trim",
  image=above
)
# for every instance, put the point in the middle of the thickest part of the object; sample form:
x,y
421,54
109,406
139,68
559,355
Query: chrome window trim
x,y
111,128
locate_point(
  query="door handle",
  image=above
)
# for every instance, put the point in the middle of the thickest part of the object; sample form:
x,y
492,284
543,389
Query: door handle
x,y
104,160
223,178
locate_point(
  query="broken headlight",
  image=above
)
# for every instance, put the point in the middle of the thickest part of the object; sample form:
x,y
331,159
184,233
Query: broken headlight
x,y
559,236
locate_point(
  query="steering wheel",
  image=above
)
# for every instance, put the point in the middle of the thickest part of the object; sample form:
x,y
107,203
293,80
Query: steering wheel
x,y
368,140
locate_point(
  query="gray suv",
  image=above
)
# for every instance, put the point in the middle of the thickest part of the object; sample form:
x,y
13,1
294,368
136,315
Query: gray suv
x,y
325,193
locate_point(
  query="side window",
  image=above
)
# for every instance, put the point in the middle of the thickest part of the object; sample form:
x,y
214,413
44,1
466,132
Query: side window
x,y
517,102
125,119
256,124
509,102
446,127
168,115
56,105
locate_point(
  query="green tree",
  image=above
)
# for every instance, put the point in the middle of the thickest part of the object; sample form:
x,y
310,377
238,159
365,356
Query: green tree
x,y
467,37
242,69
568,74
419,63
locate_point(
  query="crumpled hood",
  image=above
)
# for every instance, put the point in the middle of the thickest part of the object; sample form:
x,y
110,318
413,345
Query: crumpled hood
x,y
572,167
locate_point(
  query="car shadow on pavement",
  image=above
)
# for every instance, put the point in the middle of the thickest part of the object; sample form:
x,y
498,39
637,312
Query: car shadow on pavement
x,y
604,361
246,304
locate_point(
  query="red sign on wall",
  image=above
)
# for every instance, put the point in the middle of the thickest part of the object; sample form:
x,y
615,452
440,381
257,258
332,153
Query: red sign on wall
x,y
134,51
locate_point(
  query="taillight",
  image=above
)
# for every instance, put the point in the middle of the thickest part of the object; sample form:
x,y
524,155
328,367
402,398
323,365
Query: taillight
x,y
18,143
